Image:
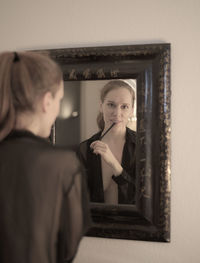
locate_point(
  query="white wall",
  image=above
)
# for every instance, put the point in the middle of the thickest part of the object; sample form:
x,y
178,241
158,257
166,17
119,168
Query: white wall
x,y
74,23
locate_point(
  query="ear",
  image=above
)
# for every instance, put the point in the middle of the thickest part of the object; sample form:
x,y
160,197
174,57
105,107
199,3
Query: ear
x,y
47,101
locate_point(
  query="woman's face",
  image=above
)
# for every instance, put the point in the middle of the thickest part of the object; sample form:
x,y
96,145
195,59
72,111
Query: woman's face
x,y
117,107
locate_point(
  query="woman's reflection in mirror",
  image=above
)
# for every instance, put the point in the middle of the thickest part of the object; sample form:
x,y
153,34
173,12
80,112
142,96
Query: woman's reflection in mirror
x,y
110,161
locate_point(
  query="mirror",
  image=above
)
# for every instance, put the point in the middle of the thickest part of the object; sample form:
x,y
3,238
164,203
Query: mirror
x,y
85,71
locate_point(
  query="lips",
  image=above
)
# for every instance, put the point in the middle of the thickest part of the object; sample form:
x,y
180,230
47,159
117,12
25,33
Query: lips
x,y
116,121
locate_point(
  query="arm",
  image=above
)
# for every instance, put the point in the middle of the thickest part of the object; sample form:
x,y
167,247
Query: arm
x,y
75,215
123,178
120,175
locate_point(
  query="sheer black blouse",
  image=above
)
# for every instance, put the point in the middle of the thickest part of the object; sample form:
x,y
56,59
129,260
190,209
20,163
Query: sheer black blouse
x,y
44,208
125,181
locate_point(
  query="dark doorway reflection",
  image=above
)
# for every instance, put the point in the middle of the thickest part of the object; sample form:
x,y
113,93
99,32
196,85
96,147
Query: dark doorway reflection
x,y
68,122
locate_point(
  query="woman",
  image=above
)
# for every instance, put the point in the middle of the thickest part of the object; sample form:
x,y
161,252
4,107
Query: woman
x,y
109,160
43,202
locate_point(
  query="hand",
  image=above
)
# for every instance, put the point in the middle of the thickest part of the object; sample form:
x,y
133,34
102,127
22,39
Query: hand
x,y
103,149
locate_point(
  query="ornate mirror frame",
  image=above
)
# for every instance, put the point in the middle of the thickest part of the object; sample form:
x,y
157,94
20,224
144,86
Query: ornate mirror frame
x,y
149,218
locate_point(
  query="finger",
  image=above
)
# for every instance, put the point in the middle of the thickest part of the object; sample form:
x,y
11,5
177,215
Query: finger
x,y
92,144
99,146
98,150
97,143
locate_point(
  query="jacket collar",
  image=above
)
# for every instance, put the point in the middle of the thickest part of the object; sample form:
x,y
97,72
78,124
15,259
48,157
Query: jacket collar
x,y
131,135
25,134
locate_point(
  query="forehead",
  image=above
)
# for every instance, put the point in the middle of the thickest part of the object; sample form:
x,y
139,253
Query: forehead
x,y
119,95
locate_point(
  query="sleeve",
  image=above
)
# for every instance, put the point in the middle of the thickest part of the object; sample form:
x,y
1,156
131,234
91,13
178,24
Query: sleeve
x,y
129,165
123,178
85,161
75,218
82,154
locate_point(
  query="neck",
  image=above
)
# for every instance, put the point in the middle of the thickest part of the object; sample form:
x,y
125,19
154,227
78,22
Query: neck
x,y
29,122
116,133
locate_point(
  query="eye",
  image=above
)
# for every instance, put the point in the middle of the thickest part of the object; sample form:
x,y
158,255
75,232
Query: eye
x,y
124,106
111,105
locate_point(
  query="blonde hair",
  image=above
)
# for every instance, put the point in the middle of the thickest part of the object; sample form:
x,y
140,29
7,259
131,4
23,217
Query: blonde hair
x,y
24,78
112,85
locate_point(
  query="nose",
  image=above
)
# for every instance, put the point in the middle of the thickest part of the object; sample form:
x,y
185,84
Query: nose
x,y
117,111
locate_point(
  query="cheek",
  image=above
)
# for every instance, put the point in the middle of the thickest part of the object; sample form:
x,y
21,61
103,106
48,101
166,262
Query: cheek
x,y
108,113
126,115
55,110
58,107
104,111
130,112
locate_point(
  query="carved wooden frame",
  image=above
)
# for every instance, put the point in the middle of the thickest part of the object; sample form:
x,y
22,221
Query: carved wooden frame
x,y
149,218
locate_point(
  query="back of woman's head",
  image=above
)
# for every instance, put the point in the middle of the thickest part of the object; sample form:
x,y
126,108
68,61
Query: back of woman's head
x,y
109,86
24,79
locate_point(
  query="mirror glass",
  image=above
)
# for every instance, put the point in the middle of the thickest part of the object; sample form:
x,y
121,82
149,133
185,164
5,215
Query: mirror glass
x,y
77,122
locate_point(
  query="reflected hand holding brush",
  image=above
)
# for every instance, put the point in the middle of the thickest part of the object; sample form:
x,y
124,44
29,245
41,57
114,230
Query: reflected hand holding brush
x,y
103,149
94,144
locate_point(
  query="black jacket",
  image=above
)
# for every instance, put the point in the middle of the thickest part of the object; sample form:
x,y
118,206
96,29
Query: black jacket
x,y
43,201
125,181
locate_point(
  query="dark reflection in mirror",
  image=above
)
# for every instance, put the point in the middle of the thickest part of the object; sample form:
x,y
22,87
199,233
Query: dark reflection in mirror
x,y
109,162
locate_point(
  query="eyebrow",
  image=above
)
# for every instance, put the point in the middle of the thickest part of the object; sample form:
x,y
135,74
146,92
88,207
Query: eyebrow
x,y
120,103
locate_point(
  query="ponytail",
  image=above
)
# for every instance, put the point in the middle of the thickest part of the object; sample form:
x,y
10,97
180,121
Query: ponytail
x,y
100,121
7,111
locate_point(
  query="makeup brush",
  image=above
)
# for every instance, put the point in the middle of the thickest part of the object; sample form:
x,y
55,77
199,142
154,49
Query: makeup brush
x,y
107,131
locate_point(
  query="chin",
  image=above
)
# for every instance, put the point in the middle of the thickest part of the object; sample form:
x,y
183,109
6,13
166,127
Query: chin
x,y
48,133
120,125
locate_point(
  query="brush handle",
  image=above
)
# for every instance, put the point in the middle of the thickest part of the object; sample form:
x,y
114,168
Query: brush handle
x,y
106,131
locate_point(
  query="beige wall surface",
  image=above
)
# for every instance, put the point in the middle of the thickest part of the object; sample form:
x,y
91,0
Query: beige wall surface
x,y
26,24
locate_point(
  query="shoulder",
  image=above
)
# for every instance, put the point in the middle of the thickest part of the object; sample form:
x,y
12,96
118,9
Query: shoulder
x,y
65,164
63,158
84,146
40,156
